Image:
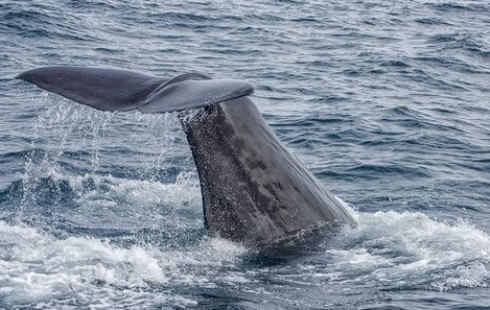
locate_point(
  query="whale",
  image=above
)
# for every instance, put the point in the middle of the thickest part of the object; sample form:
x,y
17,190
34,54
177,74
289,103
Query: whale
x,y
254,190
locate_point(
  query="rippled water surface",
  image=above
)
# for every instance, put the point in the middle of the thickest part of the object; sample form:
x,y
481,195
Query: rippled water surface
x,y
387,102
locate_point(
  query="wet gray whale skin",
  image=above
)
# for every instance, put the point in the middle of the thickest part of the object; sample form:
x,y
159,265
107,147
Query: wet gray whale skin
x,y
254,190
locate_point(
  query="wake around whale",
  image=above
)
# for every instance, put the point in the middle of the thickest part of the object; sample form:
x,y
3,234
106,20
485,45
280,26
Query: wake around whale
x,y
254,190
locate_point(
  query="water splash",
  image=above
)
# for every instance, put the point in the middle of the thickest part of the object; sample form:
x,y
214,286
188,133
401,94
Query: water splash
x,y
410,250
39,269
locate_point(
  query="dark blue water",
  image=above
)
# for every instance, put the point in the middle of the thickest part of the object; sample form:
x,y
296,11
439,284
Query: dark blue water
x,y
388,103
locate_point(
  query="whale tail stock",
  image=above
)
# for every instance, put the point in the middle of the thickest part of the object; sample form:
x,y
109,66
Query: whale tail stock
x,y
122,90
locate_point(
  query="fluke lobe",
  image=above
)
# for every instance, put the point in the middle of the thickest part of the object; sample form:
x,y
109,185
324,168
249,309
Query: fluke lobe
x,y
254,190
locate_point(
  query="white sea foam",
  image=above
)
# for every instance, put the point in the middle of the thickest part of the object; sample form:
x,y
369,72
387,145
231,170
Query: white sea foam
x,y
111,202
142,193
36,268
411,249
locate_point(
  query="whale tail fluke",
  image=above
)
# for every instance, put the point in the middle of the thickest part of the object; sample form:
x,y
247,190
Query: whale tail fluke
x,y
122,90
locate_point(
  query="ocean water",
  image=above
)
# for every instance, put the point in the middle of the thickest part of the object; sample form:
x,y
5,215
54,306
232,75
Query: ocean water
x,y
387,102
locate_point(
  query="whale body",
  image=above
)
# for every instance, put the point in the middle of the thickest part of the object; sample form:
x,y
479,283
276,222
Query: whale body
x,y
254,190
